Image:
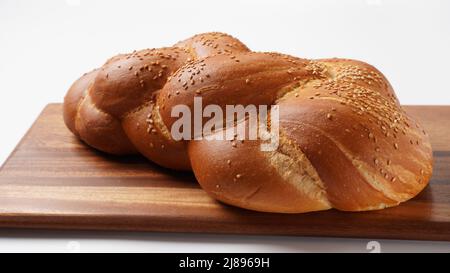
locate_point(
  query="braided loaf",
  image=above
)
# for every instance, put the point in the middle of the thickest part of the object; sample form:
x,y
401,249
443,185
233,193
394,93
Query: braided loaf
x,y
344,143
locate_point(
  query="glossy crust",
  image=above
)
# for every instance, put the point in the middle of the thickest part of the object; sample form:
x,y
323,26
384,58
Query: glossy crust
x,y
345,142
112,108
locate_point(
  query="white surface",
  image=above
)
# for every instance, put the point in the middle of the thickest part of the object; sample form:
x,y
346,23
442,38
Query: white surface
x,y
45,241
46,45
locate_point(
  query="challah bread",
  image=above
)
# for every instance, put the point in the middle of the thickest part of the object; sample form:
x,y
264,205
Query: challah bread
x,y
112,108
345,141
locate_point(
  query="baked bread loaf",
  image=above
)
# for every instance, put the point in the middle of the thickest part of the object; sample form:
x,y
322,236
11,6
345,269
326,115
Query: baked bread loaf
x,y
344,140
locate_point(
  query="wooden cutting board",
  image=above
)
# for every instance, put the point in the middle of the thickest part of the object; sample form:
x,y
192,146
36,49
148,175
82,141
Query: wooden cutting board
x,y
51,180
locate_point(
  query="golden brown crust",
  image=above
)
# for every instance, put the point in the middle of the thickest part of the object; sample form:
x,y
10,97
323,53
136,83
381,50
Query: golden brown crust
x,y
111,108
345,141
73,98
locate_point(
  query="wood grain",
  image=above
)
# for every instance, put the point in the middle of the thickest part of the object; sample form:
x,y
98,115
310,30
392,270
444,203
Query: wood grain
x,y
51,180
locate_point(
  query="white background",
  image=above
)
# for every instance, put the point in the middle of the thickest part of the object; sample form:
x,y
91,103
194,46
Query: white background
x,y
46,45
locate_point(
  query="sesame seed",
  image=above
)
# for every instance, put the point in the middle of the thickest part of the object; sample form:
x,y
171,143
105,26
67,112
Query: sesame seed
x,y
329,116
396,146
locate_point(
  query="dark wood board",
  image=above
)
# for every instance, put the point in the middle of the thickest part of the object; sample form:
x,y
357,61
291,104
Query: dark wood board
x,y
52,180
